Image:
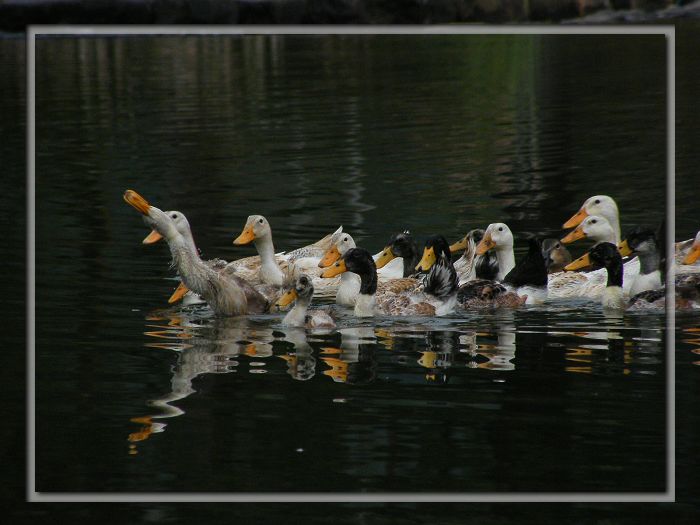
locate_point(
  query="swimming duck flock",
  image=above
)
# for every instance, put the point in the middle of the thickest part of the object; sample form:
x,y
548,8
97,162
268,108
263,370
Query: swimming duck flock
x,y
477,271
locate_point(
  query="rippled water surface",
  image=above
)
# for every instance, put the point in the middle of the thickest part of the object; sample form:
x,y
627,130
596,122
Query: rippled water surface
x,y
439,134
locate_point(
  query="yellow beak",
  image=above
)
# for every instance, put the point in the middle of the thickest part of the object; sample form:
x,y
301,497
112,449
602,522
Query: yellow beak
x,y
179,292
336,269
246,237
152,237
693,254
485,245
459,245
624,248
575,235
576,219
386,256
582,262
427,261
287,298
329,257
138,202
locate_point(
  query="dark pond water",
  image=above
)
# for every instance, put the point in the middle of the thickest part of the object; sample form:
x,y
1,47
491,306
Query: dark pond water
x,y
438,134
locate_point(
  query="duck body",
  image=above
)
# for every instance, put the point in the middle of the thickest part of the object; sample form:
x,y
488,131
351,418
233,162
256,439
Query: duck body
x,y
687,296
403,298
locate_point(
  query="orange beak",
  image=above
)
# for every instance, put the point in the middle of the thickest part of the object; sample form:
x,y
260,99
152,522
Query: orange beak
x,y
576,219
138,202
338,268
575,235
329,257
693,254
459,245
582,262
485,245
386,256
246,237
624,248
178,294
153,237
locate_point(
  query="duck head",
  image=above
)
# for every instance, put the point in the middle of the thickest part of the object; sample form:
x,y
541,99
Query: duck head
x,y
638,241
400,245
339,247
601,205
593,227
256,227
155,218
471,238
302,291
436,248
497,236
604,254
556,256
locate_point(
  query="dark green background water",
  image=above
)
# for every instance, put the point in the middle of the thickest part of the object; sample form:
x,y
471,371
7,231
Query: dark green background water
x,y
438,134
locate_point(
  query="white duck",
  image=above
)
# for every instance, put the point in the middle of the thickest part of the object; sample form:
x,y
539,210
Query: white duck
x,y
226,294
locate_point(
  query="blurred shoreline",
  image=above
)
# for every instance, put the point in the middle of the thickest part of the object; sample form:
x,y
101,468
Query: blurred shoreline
x,y
16,15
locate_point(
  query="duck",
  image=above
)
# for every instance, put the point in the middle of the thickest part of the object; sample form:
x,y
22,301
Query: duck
x,y
643,243
687,296
408,297
607,255
349,287
403,246
529,277
225,293
498,238
602,206
556,256
687,257
281,269
470,265
299,316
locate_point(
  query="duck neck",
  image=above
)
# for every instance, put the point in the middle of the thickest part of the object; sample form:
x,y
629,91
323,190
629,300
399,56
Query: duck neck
x,y
224,296
648,262
410,260
368,283
348,289
270,272
506,261
297,315
364,305
615,275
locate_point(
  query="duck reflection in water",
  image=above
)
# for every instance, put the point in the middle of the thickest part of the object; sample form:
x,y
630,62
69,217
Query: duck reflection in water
x,y
211,348
355,361
439,356
301,363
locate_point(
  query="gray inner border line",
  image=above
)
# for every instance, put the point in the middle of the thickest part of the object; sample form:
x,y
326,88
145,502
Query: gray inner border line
x,y
484,497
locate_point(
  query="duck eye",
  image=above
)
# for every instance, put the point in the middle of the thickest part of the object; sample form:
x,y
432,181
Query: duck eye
x,y
345,239
597,201
500,228
260,221
556,246
593,221
174,216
